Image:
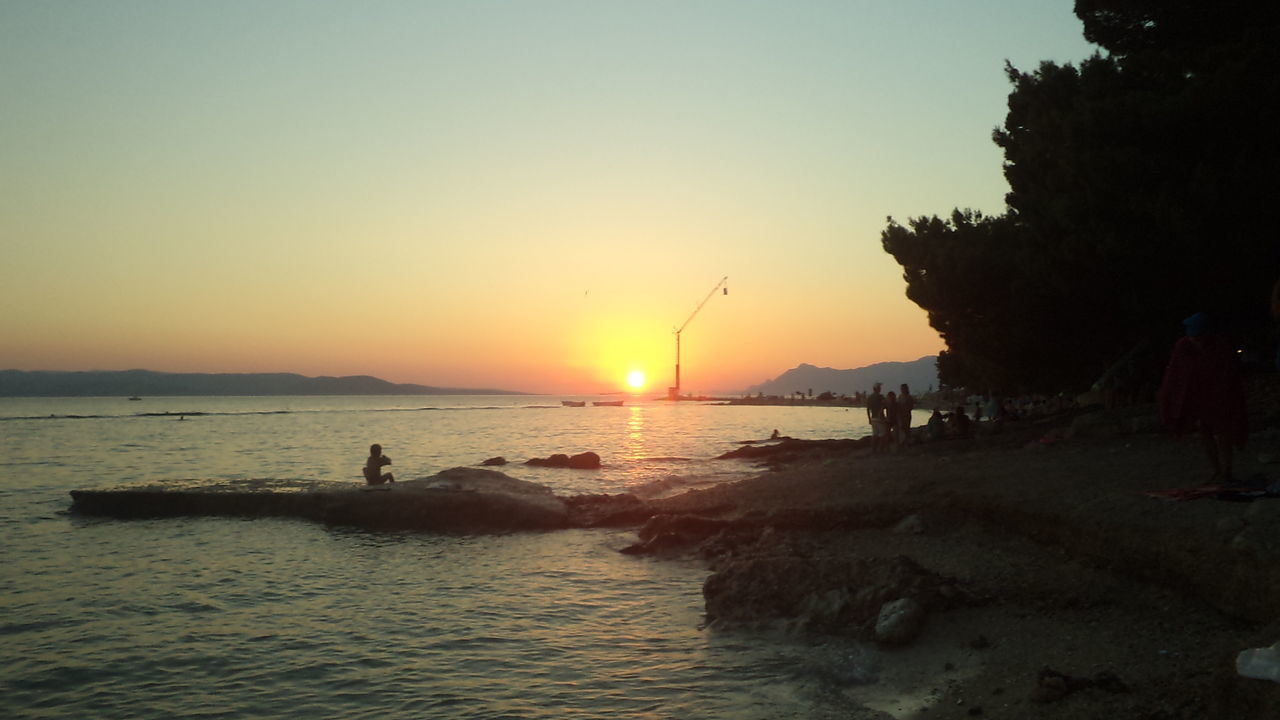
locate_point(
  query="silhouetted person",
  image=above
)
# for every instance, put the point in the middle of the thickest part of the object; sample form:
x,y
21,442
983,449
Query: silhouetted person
x,y
906,403
959,423
937,425
373,466
875,418
891,419
1202,391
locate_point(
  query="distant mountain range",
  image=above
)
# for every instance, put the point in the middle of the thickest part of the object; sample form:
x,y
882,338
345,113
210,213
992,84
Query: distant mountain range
x,y
127,383
920,374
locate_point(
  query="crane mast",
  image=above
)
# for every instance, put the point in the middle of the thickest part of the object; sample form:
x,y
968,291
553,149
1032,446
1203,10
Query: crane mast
x,y
673,393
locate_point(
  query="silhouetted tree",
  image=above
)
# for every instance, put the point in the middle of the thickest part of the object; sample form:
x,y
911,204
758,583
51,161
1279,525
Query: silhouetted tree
x,y
1139,185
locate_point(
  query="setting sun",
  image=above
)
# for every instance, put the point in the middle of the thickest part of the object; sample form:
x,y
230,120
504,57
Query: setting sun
x,y
635,380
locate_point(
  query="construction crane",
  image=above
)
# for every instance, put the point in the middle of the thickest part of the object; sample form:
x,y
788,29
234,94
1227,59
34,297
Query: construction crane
x,y
673,393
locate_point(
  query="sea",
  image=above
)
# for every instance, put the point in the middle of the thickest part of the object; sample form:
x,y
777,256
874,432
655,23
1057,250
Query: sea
x,y
262,618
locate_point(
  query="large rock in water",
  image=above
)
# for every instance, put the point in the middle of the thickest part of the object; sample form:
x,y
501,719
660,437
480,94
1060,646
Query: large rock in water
x,y
457,500
582,461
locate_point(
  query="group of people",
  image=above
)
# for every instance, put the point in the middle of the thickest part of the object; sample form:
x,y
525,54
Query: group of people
x,y
889,417
953,424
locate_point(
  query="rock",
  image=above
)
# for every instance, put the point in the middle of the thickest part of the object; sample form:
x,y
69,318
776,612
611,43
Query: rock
x,y
910,525
585,461
664,533
1052,685
736,541
899,621
456,500
787,449
478,480
693,526
499,460
581,461
607,510
822,592
824,608
665,542
558,460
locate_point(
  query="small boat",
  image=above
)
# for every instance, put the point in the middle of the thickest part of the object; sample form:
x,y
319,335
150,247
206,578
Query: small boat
x,y
610,403
135,397
574,403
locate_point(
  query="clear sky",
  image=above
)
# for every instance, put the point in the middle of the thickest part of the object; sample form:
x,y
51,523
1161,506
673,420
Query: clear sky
x,y
518,194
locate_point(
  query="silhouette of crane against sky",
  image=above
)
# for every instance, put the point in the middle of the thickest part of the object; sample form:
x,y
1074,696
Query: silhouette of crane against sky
x,y
673,393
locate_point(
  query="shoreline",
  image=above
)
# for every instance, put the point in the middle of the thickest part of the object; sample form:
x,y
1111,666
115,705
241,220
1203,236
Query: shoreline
x,y
1091,598
1063,574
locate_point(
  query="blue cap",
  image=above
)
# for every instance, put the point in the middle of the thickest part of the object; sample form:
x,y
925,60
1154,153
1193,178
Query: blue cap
x,y
1197,324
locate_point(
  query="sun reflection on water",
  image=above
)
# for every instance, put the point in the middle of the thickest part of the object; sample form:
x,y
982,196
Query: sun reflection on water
x,y
635,433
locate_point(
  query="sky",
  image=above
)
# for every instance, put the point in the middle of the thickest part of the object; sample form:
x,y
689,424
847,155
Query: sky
x,y
506,194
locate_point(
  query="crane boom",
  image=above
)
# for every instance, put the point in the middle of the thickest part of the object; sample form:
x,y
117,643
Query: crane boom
x,y
673,393
723,280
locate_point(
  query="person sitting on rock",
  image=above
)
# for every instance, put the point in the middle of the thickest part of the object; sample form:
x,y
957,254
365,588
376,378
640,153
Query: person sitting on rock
x,y
373,466
937,425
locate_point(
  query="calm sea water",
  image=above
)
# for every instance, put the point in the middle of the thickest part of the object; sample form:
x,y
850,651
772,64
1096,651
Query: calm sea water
x,y
217,617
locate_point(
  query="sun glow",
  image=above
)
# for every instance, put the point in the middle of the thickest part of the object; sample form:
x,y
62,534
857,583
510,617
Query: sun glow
x,y
636,380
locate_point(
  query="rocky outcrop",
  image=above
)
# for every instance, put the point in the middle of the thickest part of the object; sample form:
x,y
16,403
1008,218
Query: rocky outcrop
x,y
674,533
582,461
457,500
780,584
789,450
622,510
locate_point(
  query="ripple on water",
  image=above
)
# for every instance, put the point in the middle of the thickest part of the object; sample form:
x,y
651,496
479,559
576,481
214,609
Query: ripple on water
x,y
247,619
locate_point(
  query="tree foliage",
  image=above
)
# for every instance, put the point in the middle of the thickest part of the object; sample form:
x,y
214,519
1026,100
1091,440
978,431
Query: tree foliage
x,y
1141,184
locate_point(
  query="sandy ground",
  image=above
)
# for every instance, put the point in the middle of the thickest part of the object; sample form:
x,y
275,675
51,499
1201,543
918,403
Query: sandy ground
x,y
1078,570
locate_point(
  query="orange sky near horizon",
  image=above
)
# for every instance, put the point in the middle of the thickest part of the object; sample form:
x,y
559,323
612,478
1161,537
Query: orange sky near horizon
x,y
526,197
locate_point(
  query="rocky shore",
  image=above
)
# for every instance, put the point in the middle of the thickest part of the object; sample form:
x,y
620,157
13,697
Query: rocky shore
x,y
1036,571
1022,574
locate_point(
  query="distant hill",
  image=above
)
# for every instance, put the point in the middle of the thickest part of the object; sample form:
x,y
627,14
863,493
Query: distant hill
x,y
22,383
919,374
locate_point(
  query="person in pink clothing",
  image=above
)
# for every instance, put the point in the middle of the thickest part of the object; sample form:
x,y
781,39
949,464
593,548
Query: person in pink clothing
x,y
1202,391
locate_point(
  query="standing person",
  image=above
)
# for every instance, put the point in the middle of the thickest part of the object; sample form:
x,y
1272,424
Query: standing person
x,y
1202,390
875,418
373,467
906,404
891,420
958,423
